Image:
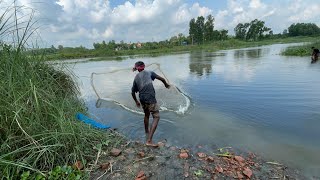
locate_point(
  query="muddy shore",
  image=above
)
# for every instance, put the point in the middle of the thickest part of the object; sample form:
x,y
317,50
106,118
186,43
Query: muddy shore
x,y
134,160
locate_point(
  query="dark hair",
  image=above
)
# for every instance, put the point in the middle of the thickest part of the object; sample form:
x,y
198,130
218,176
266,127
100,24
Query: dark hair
x,y
139,63
312,47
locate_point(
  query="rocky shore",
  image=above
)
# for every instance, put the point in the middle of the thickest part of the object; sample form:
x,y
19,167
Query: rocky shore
x,y
134,160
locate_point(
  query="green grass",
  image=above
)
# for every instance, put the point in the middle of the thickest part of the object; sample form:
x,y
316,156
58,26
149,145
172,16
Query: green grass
x,y
39,133
303,50
38,129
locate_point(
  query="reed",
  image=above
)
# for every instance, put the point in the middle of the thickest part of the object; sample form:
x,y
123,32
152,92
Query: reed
x,y
38,103
303,50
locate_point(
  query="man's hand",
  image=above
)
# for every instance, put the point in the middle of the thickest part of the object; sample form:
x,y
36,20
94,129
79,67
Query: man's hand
x,y
135,99
138,104
163,81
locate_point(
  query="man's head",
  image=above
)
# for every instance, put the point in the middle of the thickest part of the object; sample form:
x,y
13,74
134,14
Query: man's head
x,y
139,66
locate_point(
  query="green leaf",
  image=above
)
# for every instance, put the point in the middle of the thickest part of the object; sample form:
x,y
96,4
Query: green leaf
x,y
198,173
25,175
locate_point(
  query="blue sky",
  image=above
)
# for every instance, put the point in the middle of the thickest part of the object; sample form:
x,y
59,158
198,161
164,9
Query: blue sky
x,y
83,22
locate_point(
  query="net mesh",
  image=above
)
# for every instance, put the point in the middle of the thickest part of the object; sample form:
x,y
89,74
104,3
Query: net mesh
x,y
115,87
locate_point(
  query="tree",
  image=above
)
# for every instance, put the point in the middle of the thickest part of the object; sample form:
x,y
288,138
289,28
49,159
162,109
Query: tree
x,y
174,40
303,29
103,45
223,34
216,35
208,28
111,45
96,46
285,32
199,36
60,47
256,30
253,31
241,30
192,29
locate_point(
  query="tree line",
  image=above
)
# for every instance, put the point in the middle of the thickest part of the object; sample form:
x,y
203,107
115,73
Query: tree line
x,y
202,30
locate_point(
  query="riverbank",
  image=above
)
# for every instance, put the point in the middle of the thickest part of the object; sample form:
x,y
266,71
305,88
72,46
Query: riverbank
x,y
39,135
303,50
133,160
211,47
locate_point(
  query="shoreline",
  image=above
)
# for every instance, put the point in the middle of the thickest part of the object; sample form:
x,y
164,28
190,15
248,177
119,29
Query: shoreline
x,y
134,160
212,47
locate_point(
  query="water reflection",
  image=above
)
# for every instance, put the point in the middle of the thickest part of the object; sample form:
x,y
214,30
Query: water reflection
x,y
251,53
200,63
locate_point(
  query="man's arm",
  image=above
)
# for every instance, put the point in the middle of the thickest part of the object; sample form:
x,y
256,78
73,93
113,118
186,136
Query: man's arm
x,y
134,89
163,81
135,98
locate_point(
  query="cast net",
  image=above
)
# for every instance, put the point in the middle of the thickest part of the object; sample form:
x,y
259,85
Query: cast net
x,y
115,87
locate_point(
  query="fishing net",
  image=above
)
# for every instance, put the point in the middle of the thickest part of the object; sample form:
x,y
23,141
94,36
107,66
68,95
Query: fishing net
x,y
115,87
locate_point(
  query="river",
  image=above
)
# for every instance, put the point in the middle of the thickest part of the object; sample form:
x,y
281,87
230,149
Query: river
x,y
253,99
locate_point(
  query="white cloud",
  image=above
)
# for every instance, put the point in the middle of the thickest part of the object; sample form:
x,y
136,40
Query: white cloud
x,y
255,4
306,14
108,32
77,22
90,21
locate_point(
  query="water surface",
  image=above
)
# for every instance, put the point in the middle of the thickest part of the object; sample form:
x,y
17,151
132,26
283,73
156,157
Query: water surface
x,y
252,99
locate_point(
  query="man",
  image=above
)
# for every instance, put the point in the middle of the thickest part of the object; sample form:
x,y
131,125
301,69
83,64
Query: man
x,y
143,84
314,55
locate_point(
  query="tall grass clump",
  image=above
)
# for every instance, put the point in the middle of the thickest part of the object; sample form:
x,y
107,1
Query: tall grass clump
x,y
38,103
303,50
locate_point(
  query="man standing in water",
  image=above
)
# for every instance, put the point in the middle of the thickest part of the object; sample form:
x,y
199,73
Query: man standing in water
x,y
314,55
143,84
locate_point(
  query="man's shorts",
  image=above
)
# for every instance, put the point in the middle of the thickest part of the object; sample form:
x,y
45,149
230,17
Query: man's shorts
x,y
153,108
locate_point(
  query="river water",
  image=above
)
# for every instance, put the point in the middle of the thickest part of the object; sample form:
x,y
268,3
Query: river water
x,y
253,99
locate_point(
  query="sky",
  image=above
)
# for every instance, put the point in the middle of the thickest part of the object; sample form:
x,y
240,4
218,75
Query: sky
x,y
82,22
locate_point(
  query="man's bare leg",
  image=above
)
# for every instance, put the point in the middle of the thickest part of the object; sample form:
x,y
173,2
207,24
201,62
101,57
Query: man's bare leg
x,y
146,123
156,118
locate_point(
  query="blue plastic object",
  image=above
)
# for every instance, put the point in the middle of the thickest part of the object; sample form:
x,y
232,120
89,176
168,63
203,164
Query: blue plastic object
x,y
92,122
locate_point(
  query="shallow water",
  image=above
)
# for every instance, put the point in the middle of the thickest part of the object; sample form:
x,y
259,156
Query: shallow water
x,y
252,99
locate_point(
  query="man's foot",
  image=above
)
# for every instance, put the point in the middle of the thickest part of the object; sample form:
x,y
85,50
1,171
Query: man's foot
x,y
150,144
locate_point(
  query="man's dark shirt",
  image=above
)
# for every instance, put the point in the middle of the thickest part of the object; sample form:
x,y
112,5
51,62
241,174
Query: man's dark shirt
x,y
143,84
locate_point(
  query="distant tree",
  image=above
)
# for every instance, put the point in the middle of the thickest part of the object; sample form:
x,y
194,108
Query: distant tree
x,y
208,28
285,32
255,30
223,34
303,29
174,40
216,35
60,47
199,36
241,30
192,29
103,45
96,46
111,45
